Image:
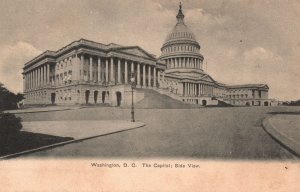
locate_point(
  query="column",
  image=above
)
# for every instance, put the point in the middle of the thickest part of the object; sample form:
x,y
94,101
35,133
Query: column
x,y
36,78
30,80
99,70
119,71
81,67
77,68
176,63
149,75
39,76
45,75
106,70
48,74
158,76
154,77
112,78
144,75
132,67
24,82
31,77
194,90
199,89
188,89
138,74
42,76
91,68
126,72
188,62
28,83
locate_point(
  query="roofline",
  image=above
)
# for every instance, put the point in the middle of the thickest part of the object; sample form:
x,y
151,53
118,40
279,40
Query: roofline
x,y
106,47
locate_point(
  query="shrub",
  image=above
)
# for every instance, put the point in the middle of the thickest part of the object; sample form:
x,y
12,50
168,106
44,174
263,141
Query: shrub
x,y
9,124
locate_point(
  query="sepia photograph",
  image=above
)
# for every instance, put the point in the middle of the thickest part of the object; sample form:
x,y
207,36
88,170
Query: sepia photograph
x,y
176,90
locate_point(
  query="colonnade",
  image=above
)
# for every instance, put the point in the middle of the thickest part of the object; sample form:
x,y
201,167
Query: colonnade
x,y
184,62
37,77
90,68
113,71
198,89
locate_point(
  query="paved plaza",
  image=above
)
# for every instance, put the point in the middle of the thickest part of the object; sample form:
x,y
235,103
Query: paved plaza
x,y
213,133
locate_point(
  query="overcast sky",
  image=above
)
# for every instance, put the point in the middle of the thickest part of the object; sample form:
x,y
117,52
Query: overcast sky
x,y
243,41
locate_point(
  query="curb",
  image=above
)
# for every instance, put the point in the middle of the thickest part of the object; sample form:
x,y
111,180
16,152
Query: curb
x,y
280,138
42,111
64,143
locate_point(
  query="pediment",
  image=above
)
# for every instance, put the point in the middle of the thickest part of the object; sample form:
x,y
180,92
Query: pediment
x,y
207,78
137,51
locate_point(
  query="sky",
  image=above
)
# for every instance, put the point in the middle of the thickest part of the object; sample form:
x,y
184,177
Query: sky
x,y
243,41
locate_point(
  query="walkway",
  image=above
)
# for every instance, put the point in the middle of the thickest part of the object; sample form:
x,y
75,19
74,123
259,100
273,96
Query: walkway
x,y
43,109
286,130
79,129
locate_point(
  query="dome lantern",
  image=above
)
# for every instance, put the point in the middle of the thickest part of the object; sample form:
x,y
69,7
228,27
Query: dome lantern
x,y
180,15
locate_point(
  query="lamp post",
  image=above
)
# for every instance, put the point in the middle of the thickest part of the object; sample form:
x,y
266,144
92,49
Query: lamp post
x,y
132,82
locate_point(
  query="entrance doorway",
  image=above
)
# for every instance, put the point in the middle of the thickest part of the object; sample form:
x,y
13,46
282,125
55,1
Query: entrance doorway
x,y
87,96
119,98
204,102
95,96
103,96
53,98
266,103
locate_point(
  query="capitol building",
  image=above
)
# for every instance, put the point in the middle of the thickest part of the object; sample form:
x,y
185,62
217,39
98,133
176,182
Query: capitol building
x,y
89,72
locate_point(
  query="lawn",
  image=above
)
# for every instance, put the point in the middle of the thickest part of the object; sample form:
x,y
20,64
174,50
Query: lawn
x,y
25,141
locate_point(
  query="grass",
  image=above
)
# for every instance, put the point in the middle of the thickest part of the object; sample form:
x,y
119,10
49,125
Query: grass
x,y
26,140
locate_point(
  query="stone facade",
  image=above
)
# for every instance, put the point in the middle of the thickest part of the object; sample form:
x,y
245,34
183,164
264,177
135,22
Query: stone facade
x,y
90,72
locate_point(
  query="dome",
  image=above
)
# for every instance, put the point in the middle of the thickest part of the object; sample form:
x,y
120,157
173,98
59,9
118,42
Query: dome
x,y
181,33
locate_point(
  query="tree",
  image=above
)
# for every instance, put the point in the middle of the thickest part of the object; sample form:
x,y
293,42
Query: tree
x,y
8,100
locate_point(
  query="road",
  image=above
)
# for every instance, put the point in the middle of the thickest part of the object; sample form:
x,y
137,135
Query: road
x,y
205,133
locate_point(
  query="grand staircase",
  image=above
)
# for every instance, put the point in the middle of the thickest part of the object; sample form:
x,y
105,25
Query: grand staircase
x,y
153,99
